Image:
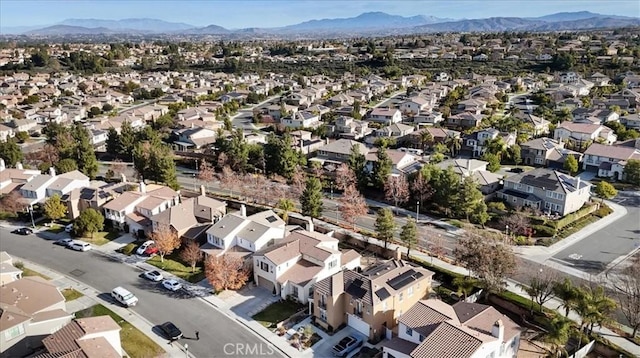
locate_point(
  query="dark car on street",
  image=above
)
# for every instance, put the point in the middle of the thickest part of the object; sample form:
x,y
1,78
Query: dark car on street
x,y
22,231
347,345
172,332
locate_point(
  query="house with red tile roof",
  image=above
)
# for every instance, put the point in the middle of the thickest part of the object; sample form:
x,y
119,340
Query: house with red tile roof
x,y
609,160
85,337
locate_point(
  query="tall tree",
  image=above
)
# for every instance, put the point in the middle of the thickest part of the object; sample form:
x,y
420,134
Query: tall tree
x,y
385,225
627,293
409,234
357,163
557,335
166,240
311,198
631,172
397,189
352,205
345,177
540,287
286,206
298,183
206,173
445,185
83,152
226,272
490,262
191,254
280,156
571,164
566,292
381,168
54,208
605,190
469,198
114,146
11,153
66,165
454,143
229,179
421,188
89,221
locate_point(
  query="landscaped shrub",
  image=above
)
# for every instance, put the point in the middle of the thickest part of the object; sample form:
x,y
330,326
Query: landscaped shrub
x,y
570,218
603,211
543,230
497,206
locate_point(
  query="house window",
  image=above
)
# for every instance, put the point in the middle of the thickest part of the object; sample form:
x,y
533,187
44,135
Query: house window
x,y
410,292
295,291
14,332
400,297
264,266
409,331
529,189
384,305
333,264
323,315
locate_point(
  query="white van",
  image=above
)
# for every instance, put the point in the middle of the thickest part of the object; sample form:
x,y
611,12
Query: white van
x,y
80,246
123,296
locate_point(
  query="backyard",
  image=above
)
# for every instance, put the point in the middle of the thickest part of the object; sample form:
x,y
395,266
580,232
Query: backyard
x,y
135,343
277,312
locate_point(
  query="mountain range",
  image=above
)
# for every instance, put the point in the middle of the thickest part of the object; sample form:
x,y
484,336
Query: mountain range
x,y
378,23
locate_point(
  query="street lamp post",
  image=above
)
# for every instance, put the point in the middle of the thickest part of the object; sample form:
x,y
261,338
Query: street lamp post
x,y
417,210
194,182
331,197
506,233
186,350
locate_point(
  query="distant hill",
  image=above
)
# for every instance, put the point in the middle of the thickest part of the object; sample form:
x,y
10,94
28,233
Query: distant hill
x,y
578,15
367,20
58,30
208,30
591,23
142,24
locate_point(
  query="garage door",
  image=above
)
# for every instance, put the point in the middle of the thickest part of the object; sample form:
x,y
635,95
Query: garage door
x,y
358,324
263,282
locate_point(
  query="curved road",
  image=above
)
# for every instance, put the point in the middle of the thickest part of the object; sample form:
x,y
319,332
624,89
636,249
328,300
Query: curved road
x,y
157,305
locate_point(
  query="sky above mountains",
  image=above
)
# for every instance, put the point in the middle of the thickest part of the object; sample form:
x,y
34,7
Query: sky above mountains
x,y
257,13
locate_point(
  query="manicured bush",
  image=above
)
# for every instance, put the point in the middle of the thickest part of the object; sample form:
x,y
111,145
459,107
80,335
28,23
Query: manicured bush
x,y
497,206
603,211
543,230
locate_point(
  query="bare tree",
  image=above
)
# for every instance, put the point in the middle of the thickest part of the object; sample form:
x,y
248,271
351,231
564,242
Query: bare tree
x,y
627,293
540,287
222,161
345,177
489,261
166,240
421,188
516,223
12,203
191,254
352,205
298,183
226,272
117,167
436,246
206,173
228,179
396,188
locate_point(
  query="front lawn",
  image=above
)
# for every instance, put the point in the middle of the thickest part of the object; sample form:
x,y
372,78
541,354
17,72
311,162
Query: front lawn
x,y
70,294
29,272
100,238
277,312
55,228
134,342
173,265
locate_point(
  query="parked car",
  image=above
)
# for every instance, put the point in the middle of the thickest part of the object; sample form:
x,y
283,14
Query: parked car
x,y
152,250
123,296
153,275
172,284
172,332
80,246
68,228
64,242
22,231
144,247
347,345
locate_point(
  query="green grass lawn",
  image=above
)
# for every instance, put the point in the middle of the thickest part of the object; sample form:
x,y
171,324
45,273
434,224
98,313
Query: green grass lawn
x,y
100,238
55,228
70,294
134,342
173,265
29,272
277,312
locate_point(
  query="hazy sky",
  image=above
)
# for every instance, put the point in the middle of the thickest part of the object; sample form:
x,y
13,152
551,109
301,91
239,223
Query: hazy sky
x,y
242,13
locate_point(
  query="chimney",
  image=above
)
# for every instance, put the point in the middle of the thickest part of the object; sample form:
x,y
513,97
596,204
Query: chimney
x,y
123,178
337,284
203,191
577,183
498,330
2,166
243,211
310,224
52,171
142,187
19,166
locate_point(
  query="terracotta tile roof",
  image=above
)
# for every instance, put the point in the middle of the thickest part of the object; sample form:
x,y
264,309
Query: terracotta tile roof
x,y
98,347
121,202
400,345
348,256
64,340
300,273
425,316
580,127
481,318
449,341
27,296
69,341
612,151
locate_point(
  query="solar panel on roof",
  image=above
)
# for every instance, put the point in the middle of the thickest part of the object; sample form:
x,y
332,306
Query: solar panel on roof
x,y
383,294
272,219
355,289
404,279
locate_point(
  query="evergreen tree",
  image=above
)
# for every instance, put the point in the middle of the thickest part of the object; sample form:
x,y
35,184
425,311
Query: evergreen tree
x,y
571,164
11,153
127,140
280,156
311,198
84,154
381,169
66,165
385,225
445,186
114,146
409,234
469,197
494,161
631,172
357,163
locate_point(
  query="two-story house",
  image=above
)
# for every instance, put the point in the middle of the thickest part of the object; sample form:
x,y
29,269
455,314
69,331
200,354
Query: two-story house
x,y
291,267
44,186
546,190
432,328
8,272
487,181
582,133
31,307
194,138
395,130
350,128
402,162
475,144
464,120
385,115
135,208
188,214
415,105
372,301
538,125
244,234
13,178
546,152
339,151
609,160
301,119
85,337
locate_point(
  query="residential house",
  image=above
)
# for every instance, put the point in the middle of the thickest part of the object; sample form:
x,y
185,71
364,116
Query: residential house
x,y
402,163
487,181
594,115
94,196
474,144
385,115
187,214
242,235
473,105
305,143
194,138
340,100
14,178
339,151
546,152
8,272
582,133
6,132
539,125
372,301
631,121
609,161
302,119
29,308
547,190
350,128
464,120
294,264
415,105
432,328
438,135
395,130
428,118
599,79
85,337
44,186
135,208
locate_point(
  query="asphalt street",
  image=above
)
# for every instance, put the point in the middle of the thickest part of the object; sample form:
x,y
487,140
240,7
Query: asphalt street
x,y
219,334
596,252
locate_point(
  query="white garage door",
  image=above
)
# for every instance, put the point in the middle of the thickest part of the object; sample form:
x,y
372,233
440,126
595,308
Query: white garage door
x,y
358,324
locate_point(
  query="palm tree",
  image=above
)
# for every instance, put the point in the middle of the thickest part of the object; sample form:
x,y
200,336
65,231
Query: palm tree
x,y
454,143
425,138
568,294
558,334
287,206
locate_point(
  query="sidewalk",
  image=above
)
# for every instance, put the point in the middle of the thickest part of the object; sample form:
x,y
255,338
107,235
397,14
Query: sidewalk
x,y
90,298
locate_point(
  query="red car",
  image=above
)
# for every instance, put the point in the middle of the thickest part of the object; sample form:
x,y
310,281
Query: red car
x,y
151,250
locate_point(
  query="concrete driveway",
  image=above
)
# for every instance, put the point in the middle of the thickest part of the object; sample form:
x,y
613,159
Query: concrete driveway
x,y
324,347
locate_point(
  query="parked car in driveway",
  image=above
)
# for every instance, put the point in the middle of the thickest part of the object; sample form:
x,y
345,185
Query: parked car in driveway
x,y
144,247
153,275
347,345
80,246
22,231
64,242
171,331
172,284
